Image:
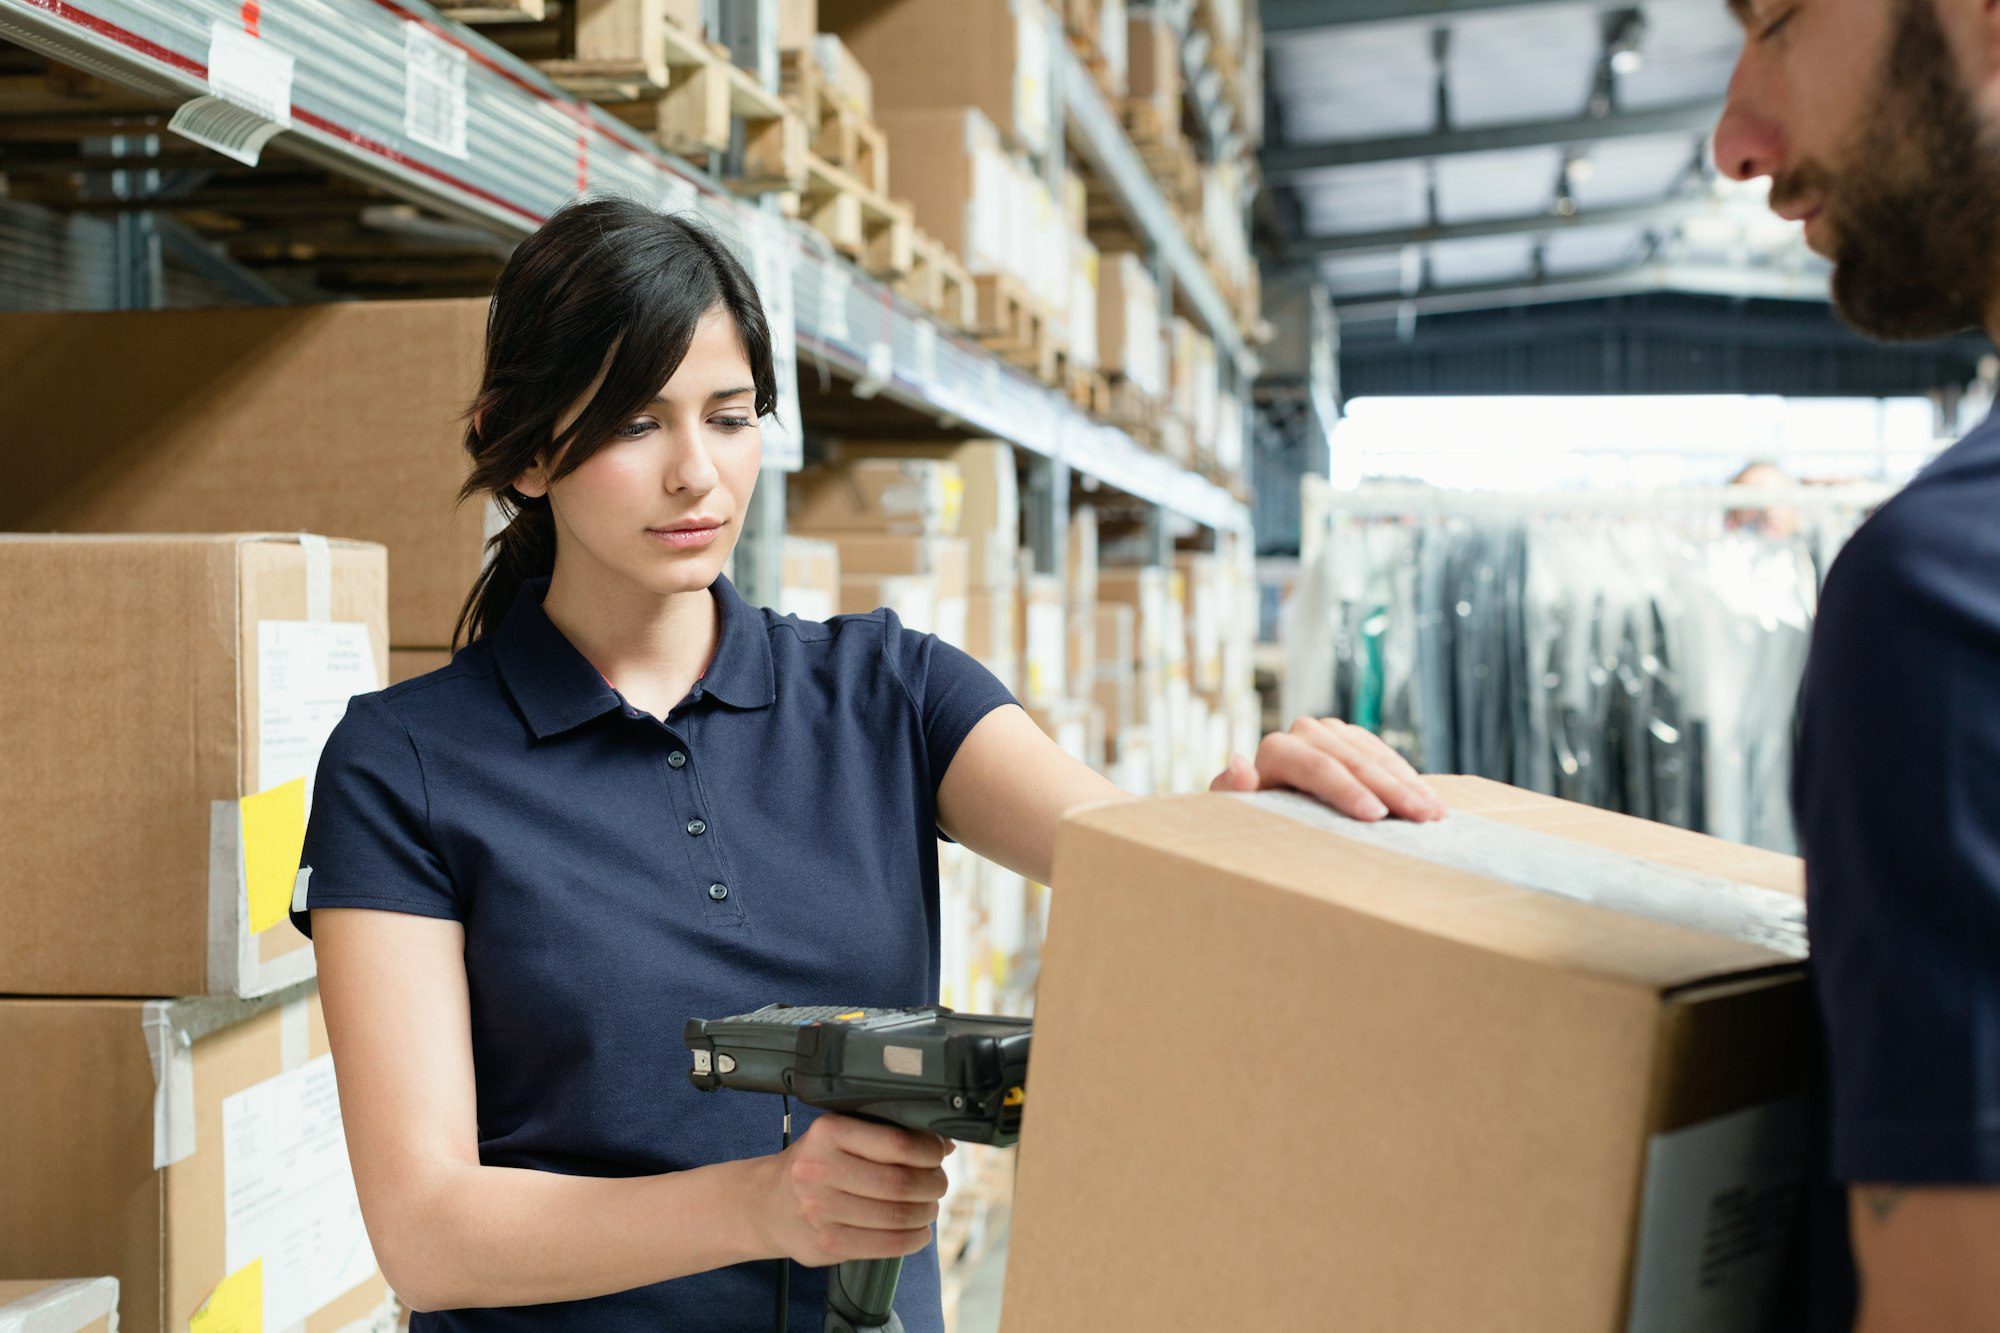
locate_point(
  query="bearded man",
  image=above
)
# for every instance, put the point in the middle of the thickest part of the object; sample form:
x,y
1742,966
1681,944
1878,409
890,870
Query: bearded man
x,y
1876,122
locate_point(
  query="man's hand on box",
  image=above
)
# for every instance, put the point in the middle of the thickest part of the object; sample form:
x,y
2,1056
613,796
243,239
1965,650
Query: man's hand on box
x,y
1348,767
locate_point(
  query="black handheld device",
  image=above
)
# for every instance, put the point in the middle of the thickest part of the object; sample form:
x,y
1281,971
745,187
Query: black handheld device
x,y
959,1076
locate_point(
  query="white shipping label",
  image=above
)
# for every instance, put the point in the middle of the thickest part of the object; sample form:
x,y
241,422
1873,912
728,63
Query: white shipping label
x,y
433,90
250,72
215,122
771,261
923,356
289,1193
1715,1223
834,286
306,673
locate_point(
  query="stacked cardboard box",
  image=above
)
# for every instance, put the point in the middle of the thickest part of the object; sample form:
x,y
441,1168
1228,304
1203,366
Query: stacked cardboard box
x,y
1129,341
809,587
154,855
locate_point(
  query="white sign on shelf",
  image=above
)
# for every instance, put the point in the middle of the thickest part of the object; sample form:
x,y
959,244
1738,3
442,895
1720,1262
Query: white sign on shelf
x,y
770,247
289,1193
923,359
250,96
433,90
835,284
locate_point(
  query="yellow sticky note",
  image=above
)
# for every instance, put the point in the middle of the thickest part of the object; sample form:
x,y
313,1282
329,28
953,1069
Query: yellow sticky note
x,y
274,833
237,1303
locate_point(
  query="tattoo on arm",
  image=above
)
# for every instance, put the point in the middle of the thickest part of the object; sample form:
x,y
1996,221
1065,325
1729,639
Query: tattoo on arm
x,y
1883,1201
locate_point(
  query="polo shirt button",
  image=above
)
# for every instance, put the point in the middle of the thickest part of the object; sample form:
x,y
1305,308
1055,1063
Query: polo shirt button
x,y
677,759
696,828
718,891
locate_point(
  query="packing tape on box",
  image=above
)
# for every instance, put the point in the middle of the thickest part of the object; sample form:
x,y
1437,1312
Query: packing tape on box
x,y
170,1029
319,577
236,964
62,1307
1746,913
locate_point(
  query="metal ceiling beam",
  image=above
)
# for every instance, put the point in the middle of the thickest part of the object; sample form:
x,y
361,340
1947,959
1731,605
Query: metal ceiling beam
x,y
1660,212
1290,16
1699,279
1570,131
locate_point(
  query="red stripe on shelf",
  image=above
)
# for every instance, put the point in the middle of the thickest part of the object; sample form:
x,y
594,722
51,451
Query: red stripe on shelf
x,y
471,51
383,150
251,13
152,50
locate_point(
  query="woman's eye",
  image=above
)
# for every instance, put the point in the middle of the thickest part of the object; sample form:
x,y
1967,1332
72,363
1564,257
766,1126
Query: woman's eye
x,y
633,429
732,423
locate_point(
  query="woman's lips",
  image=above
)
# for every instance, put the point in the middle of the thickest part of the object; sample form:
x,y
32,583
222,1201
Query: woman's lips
x,y
685,538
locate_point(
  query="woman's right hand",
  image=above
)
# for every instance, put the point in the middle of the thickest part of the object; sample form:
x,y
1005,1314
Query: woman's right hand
x,y
853,1189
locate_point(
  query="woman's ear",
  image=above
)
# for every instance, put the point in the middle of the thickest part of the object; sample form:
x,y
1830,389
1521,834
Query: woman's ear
x,y
533,482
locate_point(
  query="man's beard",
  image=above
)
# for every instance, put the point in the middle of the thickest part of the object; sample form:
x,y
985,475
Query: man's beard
x,y
1915,216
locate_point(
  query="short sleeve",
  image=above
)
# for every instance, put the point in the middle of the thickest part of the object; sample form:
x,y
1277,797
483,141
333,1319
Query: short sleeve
x,y
951,689
368,840
1897,793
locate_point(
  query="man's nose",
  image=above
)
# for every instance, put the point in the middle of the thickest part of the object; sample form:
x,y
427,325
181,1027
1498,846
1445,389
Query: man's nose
x,y
1748,141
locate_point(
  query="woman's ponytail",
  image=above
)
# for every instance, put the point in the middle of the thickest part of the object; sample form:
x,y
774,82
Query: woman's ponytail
x,y
591,315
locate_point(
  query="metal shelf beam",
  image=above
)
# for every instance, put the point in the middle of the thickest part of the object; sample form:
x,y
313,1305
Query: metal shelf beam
x,y
530,146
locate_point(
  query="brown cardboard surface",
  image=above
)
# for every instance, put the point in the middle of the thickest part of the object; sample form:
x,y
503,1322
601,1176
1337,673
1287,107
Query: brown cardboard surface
x,y
1278,1074
990,515
407,663
946,559
905,497
931,168
129,701
78,1191
340,419
1127,342
933,53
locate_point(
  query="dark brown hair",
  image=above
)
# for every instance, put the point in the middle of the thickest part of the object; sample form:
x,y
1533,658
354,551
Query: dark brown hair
x,y
606,285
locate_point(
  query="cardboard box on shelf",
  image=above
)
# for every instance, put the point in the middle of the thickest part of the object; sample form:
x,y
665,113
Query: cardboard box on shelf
x,y
809,584
944,561
77,1305
1081,566
845,77
1081,656
408,663
991,634
343,419
1117,692
989,503
798,23
1148,591
1128,322
999,58
164,701
1042,636
1556,1071
913,597
904,497
1153,72
949,165
1206,615
1084,265
129,1117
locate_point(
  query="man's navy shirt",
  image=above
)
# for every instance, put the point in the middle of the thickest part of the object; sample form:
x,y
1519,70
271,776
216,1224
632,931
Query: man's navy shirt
x,y
773,839
1897,790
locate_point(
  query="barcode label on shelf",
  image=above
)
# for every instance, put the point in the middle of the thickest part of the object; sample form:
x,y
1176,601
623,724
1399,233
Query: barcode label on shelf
x,y
433,90
923,361
834,285
226,127
250,72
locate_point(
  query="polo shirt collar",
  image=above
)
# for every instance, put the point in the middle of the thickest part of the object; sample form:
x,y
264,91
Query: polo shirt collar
x,y
558,688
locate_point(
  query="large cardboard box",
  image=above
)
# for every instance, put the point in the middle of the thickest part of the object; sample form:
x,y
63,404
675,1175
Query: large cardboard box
x,y
344,419
809,587
989,506
992,54
904,497
1153,68
80,1305
164,700
949,165
1534,1067
944,561
192,1149
1128,322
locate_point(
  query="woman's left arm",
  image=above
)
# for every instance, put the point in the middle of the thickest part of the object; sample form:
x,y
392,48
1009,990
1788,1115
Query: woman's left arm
x,y
1009,785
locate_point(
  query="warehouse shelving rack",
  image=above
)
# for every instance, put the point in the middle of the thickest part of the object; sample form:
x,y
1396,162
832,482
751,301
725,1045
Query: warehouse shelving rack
x,y
528,145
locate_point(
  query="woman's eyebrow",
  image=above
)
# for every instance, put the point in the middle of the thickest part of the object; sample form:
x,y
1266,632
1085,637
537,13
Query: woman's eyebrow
x,y
660,399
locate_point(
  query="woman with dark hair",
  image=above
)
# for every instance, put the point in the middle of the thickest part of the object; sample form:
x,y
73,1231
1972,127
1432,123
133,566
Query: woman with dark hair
x,y
631,799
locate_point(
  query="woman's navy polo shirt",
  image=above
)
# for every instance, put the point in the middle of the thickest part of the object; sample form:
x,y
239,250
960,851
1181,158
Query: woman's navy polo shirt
x,y
774,839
